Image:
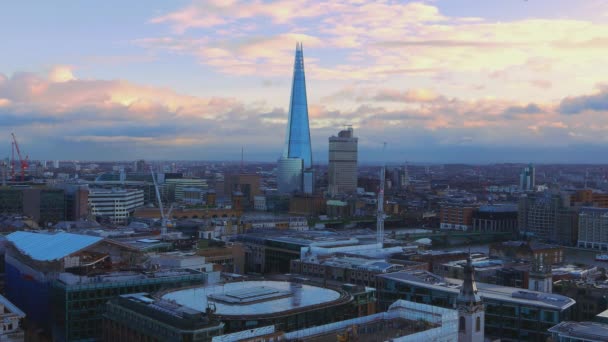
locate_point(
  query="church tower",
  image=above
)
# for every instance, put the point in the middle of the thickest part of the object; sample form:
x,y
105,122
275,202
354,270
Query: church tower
x,y
540,277
471,319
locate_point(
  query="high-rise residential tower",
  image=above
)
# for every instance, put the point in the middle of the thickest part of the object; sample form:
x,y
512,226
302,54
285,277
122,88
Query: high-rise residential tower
x,y
527,178
295,165
342,171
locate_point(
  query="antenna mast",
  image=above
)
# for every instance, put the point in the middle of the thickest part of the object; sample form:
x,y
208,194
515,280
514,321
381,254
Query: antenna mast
x,y
380,213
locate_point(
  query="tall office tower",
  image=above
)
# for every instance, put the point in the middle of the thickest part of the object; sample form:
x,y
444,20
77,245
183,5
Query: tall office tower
x,y
295,165
527,178
343,163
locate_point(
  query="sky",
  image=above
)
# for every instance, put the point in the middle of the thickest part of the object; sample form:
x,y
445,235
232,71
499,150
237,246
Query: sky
x,y
438,81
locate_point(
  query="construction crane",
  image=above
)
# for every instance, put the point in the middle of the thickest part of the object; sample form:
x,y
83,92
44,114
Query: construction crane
x,y
164,218
380,213
23,162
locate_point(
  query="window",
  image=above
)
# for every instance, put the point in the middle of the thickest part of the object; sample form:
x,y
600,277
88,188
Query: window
x,y
462,324
478,324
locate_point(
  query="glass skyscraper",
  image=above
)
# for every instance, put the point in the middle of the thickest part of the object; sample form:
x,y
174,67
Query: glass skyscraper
x,y
295,165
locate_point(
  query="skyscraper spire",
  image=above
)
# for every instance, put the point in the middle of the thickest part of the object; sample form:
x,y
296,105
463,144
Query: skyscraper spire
x,y
295,166
298,131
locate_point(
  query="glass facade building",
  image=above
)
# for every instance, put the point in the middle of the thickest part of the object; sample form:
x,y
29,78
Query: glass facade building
x,y
297,138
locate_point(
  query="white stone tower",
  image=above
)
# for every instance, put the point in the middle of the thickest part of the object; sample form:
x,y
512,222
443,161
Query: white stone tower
x,y
471,319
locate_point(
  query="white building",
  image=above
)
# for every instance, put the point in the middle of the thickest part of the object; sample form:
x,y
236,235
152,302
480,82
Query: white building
x,y
342,170
593,228
115,204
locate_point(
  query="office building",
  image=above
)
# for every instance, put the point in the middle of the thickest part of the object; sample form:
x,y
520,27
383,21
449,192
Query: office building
x,y
252,304
76,200
495,219
590,297
44,205
246,184
527,178
347,269
295,172
456,216
593,228
511,314
579,332
115,205
141,317
140,166
174,187
342,171
403,322
528,251
548,216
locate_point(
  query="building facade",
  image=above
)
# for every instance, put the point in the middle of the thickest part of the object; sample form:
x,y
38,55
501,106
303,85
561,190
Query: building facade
x,y
295,165
527,178
511,314
342,171
139,317
593,228
495,218
456,216
117,205
547,216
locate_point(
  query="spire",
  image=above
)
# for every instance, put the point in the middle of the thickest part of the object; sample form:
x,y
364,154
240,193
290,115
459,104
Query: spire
x,y
469,295
298,131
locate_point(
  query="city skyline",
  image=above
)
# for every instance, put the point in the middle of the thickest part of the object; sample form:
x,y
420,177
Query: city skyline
x,y
439,81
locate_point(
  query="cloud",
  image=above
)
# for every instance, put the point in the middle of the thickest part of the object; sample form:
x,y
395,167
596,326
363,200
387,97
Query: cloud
x,y
388,42
118,119
61,73
577,104
412,95
517,111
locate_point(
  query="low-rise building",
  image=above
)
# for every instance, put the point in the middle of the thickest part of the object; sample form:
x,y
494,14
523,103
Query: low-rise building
x,y
456,216
138,316
403,322
579,332
251,304
347,269
511,314
528,251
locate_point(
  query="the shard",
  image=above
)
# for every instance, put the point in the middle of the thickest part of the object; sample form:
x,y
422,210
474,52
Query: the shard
x,y
295,165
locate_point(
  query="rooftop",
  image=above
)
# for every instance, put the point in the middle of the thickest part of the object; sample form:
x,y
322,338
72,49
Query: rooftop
x,y
587,331
254,297
487,291
358,263
498,208
48,247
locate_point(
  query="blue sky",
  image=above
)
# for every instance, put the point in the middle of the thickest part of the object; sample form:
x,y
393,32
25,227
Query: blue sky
x,y
444,80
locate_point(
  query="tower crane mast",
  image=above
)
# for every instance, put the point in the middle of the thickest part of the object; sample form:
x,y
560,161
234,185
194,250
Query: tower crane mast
x,y
163,219
23,162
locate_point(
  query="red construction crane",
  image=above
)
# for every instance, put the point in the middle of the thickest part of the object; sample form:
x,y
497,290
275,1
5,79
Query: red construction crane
x,y
23,162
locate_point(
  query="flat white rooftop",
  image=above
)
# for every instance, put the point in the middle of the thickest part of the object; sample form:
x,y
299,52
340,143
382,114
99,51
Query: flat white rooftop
x,y
253,297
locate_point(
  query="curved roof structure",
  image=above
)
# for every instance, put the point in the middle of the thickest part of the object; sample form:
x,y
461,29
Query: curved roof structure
x,y
48,247
250,298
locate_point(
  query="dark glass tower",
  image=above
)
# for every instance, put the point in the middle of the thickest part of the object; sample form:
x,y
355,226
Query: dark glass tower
x,y
295,165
